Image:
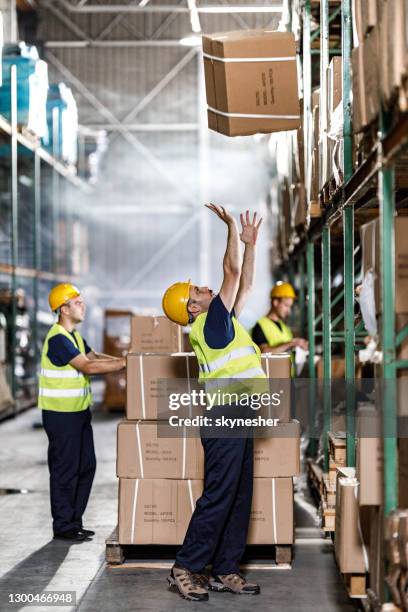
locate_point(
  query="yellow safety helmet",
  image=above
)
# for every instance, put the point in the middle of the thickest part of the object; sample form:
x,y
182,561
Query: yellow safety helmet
x,y
175,302
60,295
283,290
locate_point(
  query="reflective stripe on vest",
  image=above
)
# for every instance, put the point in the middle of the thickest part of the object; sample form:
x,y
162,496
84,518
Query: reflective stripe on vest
x,y
240,358
221,361
64,392
220,382
61,373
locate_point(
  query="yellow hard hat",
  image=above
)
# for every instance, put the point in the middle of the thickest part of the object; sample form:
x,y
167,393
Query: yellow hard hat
x,y
283,290
175,302
60,295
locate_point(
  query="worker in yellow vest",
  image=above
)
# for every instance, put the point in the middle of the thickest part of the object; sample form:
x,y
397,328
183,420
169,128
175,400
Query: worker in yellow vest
x,y
271,333
217,532
65,398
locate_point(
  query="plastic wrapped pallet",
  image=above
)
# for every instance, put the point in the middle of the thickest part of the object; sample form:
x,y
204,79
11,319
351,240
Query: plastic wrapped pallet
x,y
32,88
62,122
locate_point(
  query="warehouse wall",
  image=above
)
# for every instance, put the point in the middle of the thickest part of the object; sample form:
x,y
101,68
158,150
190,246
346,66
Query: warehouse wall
x,y
147,227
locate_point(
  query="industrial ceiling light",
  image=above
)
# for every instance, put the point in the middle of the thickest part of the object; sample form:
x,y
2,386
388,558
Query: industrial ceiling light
x,y
191,40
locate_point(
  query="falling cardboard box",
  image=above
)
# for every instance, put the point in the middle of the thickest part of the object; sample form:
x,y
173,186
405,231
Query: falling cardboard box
x,y
148,381
279,454
144,454
156,511
251,82
155,335
271,520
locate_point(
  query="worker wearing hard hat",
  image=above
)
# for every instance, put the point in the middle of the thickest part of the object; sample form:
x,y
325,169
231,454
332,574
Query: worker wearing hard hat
x,y
218,529
65,399
271,333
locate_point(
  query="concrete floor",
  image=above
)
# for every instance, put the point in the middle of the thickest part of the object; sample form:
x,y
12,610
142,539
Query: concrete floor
x,y
31,562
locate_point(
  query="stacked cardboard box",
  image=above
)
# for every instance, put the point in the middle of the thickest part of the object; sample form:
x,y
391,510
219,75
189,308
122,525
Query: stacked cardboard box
x,y
161,478
371,261
379,56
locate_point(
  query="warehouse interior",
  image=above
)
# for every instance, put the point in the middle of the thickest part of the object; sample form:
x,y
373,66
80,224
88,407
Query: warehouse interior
x,y
119,120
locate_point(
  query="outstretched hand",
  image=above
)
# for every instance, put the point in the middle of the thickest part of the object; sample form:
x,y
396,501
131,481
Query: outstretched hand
x,y
250,229
223,214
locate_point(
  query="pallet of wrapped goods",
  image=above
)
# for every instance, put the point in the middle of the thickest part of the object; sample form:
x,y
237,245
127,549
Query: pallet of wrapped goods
x,y
251,82
351,525
396,534
371,260
32,88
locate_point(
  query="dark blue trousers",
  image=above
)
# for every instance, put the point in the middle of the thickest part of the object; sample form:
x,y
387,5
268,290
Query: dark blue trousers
x,y
218,529
72,465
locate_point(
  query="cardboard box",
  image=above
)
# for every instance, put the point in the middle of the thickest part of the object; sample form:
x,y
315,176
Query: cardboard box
x,y
263,93
278,456
366,73
271,519
369,15
350,549
397,44
276,365
369,471
142,454
370,243
371,92
402,383
357,22
357,69
144,371
156,511
155,335
335,85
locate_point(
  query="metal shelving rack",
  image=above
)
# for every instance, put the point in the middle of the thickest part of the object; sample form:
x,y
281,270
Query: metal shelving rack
x,y
37,162
374,177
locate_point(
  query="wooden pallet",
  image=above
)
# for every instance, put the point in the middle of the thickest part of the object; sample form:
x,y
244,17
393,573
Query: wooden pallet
x,y
314,209
315,479
337,449
355,585
121,554
329,493
328,518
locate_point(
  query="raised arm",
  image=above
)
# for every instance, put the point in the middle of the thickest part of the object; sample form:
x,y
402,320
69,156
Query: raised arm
x,y
249,235
232,258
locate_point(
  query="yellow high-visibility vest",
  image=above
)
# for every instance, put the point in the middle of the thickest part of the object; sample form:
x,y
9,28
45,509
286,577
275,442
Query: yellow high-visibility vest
x,y
63,389
240,359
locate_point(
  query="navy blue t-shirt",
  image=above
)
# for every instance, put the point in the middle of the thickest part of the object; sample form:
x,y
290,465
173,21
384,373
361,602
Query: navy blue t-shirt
x,y
61,350
219,328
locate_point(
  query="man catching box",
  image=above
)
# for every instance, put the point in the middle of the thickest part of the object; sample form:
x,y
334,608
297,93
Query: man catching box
x,y
217,532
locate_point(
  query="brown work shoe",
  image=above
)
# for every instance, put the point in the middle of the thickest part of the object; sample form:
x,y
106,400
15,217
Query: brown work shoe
x,y
233,583
188,585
